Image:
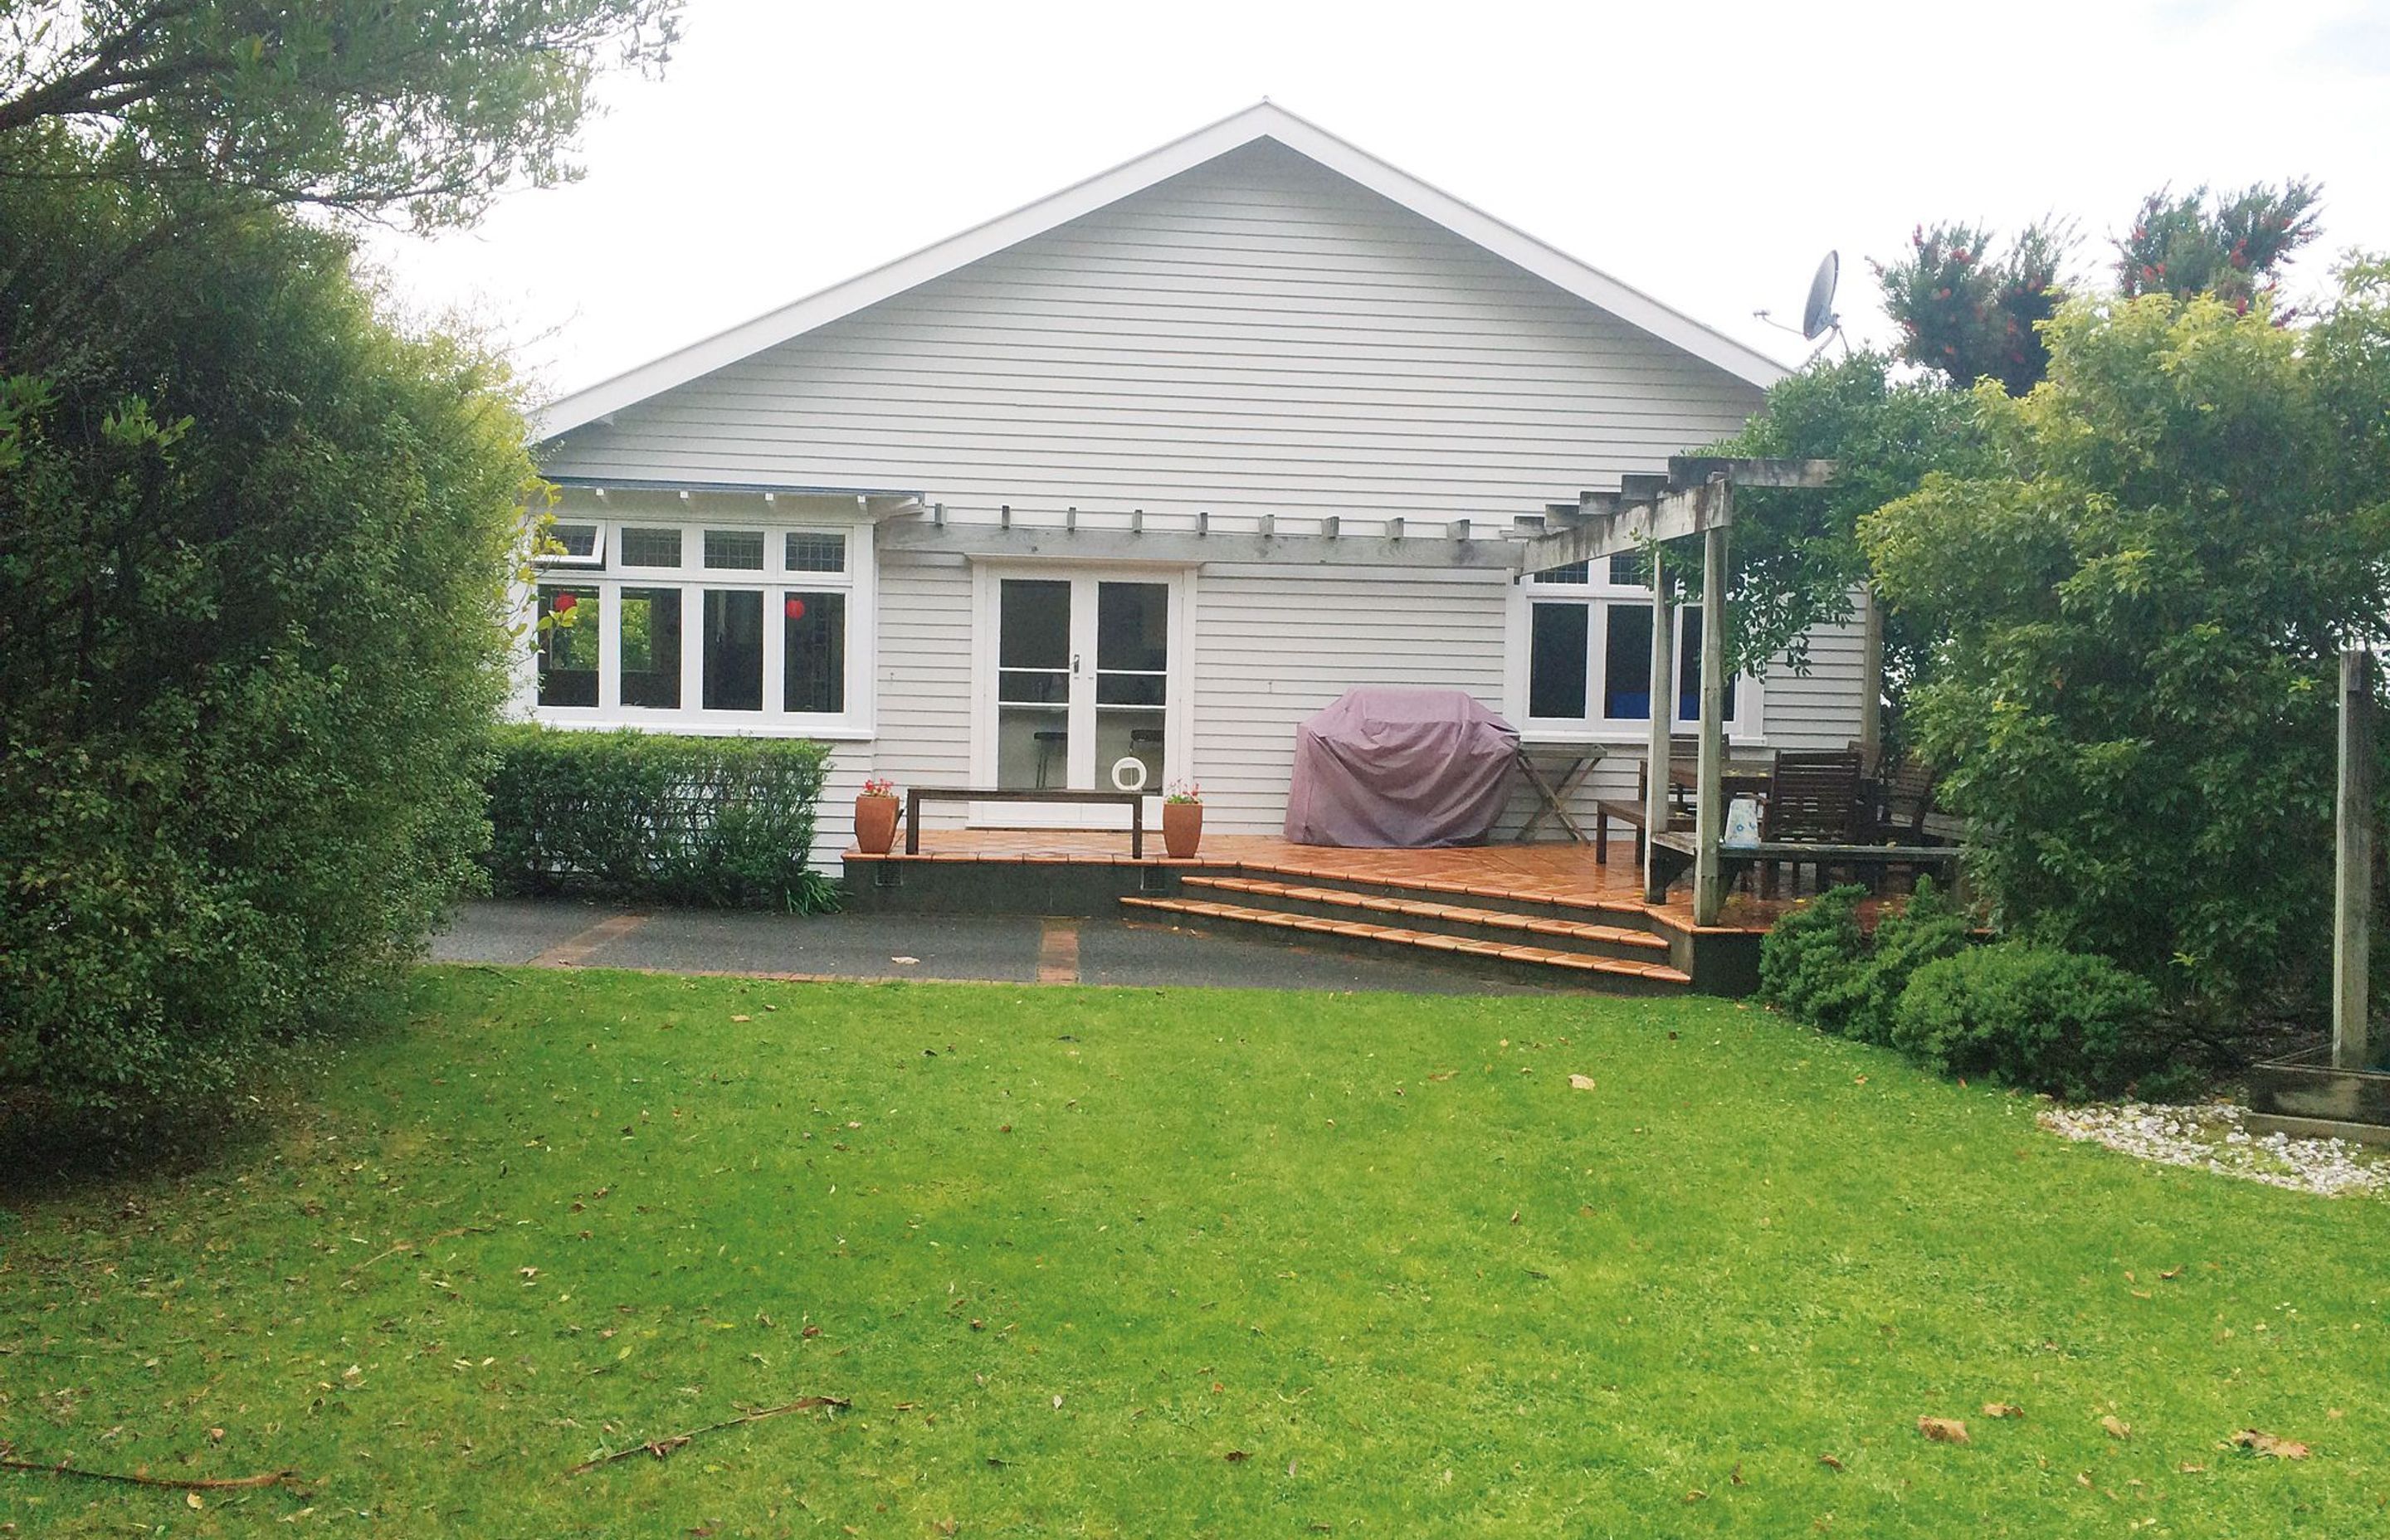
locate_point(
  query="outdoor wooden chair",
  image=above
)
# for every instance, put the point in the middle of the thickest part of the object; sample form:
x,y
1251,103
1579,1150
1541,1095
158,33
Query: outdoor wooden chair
x,y
1813,798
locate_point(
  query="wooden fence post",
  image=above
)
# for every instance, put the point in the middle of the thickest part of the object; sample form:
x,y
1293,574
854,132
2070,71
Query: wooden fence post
x,y
2353,863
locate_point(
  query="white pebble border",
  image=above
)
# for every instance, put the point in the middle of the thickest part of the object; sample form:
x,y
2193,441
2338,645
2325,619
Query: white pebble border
x,y
2209,1137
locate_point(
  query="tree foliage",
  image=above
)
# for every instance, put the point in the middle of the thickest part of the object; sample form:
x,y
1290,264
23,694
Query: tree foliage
x,y
2234,246
1966,316
253,544
427,108
1795,553
2137,613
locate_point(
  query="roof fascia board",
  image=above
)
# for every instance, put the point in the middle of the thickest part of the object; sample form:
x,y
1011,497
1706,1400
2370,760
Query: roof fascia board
x,y
1263,121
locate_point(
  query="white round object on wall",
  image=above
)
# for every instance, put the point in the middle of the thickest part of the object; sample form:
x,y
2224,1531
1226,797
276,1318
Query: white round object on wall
x,y
1129,773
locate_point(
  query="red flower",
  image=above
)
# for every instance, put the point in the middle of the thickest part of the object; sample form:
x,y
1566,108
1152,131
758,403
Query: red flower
x,y
562,604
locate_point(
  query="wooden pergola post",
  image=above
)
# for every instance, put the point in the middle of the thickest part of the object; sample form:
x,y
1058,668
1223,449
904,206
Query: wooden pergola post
x,y
2353,864
1870,682
1664,697
1709,804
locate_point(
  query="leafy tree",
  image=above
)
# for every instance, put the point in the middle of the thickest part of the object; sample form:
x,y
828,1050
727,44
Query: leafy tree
x,y
1797,555
2137,612
2233,248
250,640
427,108
1965,315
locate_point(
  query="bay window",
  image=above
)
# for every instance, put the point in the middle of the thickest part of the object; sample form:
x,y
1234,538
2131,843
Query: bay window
x,y
712,625
1587,642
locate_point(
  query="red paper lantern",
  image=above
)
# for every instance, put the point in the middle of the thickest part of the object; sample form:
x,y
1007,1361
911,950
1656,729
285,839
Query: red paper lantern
x,y
796,607
562,604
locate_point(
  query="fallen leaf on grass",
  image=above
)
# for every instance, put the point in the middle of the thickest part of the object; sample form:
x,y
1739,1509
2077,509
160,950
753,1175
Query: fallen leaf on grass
x,y
2002,1408
1943,1430
1829,1462
734,1019
2267,1444
2117,1426
1695,1496
2171,1273
1237,1456
1580,1083
2189,1470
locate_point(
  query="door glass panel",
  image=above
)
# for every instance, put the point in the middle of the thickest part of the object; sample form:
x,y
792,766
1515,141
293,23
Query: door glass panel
x,y
734,650
568,647
1132,684
1033,683
1556,660
813,642
1626,664
652,648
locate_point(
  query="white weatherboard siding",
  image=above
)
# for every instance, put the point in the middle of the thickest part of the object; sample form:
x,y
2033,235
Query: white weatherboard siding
x,y
1256,335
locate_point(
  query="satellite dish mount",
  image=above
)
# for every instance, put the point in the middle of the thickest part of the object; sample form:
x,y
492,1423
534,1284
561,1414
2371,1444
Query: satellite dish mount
x,y
1817,316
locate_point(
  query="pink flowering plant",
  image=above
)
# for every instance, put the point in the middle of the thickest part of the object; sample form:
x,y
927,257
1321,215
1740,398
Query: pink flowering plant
x,y
1183,791
878,786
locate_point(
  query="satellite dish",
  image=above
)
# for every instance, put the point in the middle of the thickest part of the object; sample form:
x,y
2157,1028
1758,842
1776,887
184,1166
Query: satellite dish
x,y
1817,316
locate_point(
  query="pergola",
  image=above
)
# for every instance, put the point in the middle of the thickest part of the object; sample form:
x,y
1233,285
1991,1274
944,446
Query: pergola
x,y
1696,497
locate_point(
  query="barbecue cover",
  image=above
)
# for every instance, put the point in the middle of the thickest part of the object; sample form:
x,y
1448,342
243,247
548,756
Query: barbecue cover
x,y
1401,769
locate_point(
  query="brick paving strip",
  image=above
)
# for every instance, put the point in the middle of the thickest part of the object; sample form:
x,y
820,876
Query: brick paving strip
x,y
576,950
1058,952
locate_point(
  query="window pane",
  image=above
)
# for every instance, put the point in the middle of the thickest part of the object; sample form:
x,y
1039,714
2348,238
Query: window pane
x,y
734,551
1626,664
568,647
1035,624
578,540
1133,626
650,645
650,548
1128,734
1689,669
1556,660
1132,690
734,650
1575,571
812,652
817,553
1032,686
1631,569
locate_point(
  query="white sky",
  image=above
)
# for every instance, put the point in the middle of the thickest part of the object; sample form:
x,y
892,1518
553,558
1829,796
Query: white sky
x,y
1706,153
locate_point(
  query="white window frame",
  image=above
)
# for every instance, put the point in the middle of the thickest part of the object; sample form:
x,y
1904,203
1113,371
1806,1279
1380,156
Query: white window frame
x,y
1603,598
611,577
596,557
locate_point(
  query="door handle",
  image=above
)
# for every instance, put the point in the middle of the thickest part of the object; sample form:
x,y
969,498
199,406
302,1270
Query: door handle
x,y
1075,665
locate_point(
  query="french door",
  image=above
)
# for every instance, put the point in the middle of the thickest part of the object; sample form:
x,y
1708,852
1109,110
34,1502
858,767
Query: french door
x,y
1080,689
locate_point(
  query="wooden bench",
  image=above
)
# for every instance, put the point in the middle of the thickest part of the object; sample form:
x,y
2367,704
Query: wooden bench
x,y
915,796
1633,814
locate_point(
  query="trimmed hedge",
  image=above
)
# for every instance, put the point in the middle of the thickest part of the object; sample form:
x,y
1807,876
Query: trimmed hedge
x,y
2072,1025
652,818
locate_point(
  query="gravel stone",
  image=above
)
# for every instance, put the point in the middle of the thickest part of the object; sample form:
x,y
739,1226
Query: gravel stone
x,y
2209,1136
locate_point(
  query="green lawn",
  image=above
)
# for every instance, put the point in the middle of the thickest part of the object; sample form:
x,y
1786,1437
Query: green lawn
x,y
1139,1263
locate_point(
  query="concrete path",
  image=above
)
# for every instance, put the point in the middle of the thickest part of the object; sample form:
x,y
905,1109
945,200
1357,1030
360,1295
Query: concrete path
x,y
997,948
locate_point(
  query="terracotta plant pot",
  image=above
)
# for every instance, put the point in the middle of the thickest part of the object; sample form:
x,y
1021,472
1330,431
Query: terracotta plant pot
x,y
875,824
1182,828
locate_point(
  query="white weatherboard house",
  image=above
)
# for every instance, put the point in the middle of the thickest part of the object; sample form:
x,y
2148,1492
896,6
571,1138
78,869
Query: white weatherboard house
x,y
1148,472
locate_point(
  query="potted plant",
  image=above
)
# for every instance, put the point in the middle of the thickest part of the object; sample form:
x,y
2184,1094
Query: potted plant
x,y
1182,819
875,816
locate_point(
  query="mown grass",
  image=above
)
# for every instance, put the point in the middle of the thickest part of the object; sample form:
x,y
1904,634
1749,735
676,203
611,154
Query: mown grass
x,y
1069,1252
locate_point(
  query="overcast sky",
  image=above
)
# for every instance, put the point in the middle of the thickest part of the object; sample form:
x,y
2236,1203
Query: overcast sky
x,y
1707,153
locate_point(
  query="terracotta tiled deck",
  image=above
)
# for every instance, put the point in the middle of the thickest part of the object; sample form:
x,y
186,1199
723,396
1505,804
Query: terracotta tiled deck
x,y
1552,872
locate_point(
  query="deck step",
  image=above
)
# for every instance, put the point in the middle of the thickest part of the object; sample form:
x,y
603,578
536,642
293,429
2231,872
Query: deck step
x,y
1551,962
1350,903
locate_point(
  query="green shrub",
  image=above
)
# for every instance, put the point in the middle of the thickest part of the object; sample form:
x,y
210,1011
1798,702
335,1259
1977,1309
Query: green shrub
x,y
1813,964
253,550
2033,1016
1927,928
716,822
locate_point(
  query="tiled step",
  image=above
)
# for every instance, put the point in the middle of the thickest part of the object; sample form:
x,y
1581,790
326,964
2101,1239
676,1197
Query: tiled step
x,y
1543,964
1519,895
1507,927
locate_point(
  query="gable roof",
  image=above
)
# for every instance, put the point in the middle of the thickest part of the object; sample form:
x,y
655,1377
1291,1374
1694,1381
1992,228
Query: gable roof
x,y
1265,121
